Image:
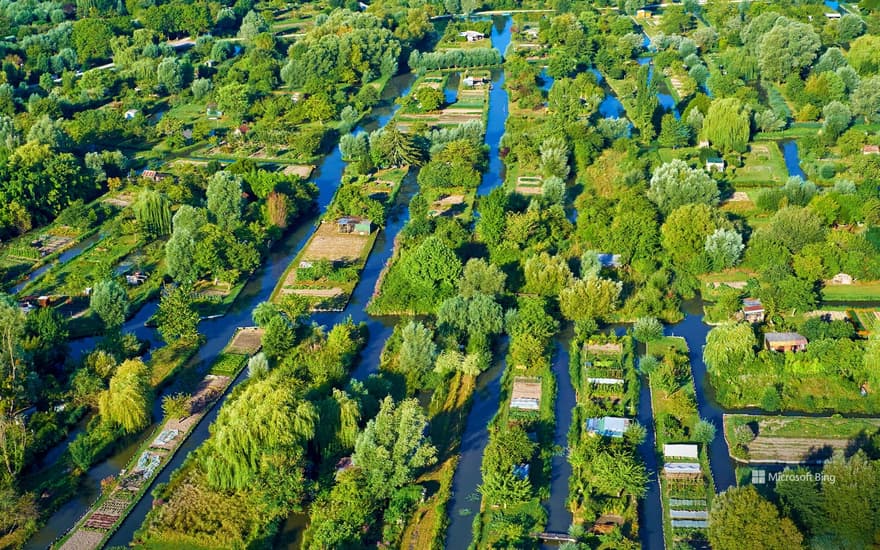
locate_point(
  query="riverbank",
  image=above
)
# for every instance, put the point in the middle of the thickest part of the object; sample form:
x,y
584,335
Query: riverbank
x,y
218,332
119,496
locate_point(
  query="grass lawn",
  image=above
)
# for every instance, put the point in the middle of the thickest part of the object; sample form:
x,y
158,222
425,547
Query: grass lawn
x,y
659,347
857,292
808,427
763,164
217,304
167,359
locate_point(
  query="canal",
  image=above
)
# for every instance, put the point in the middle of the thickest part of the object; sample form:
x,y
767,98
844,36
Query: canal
x,y
464,505
217,332
695,331
558,514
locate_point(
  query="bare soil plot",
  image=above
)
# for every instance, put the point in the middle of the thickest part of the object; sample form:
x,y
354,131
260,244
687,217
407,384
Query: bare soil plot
x,y
246,341
53,243
120,201
83,540
329,244
604,348
446,206
732,284
191,162
794,440
208,290
739,196
529,185
829,315
315,292
794,449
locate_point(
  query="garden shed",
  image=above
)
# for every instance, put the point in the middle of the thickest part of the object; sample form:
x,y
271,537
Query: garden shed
x,y
526,393
350,224
715,163
609,426
785,341
472,36
472,81
752,310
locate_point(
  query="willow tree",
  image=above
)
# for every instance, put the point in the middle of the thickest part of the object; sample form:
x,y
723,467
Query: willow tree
x,y
728,346
267,420
726,125
153,212
128,399
340,416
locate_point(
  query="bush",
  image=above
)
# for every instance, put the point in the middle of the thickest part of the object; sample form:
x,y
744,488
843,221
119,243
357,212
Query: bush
x,y
94,444
647,329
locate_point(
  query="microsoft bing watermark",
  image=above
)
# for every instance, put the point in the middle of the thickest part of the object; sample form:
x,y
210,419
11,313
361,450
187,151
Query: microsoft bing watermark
x,y
760,477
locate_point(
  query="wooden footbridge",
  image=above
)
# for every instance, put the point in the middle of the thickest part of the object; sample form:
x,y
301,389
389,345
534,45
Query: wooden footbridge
x,y
556,537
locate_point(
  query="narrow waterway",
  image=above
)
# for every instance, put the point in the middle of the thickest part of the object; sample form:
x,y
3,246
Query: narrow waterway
x,y
464,505
611,107
217,332
64,257
498,110
667,102
558,514
650,510
792,158
694,331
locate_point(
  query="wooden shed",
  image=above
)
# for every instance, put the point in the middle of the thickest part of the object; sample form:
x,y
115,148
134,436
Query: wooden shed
x,y
752,310
350,224
785,341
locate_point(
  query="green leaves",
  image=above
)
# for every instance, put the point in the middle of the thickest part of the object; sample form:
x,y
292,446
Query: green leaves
x,y
110,301
127,401
393,448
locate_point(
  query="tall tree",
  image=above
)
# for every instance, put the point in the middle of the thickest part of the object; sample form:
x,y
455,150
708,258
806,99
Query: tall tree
x,y
646,104
417,354
391,147
13,367
393,447
153,212
110,301
726,125
741,518
593,298
481,277
787,48
675,184
180,253
177,316
224,199
127,401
